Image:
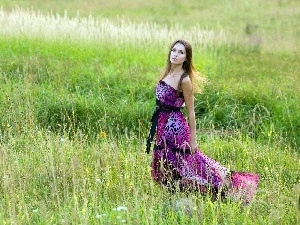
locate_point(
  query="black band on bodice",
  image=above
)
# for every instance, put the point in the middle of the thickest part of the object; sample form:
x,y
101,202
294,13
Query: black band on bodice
x,y
160,107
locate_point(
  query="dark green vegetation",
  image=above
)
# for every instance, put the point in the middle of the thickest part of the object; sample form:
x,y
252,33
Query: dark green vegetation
x,y
77,87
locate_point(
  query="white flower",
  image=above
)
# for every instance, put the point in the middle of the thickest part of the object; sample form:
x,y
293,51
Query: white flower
x,y
120,208
98,216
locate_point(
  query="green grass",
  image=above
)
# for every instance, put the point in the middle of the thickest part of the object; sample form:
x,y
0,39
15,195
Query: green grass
x,y
74,115
271,24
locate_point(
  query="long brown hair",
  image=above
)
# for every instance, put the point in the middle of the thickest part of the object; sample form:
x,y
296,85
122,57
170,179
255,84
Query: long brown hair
x,y
187,66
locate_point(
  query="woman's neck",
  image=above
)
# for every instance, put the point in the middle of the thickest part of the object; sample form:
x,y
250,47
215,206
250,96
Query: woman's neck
x,y
176,69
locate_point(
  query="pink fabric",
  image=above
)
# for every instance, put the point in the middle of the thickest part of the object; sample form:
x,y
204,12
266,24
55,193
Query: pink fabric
x,y
243,186
198,172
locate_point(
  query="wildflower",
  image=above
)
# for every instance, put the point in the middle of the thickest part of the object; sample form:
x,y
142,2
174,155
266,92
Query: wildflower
x,y
98,216
120,208
102,135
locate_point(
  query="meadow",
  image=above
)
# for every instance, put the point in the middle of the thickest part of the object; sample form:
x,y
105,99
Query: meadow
x,y
77,93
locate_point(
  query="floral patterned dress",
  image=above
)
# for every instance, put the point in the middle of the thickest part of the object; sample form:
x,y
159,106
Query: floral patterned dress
x,y
174,167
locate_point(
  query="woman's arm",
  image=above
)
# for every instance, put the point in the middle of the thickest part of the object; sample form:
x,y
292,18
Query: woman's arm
x,y
187,89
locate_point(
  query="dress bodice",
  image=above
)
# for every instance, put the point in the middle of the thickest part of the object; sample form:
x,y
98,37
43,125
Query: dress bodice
x,y
168,95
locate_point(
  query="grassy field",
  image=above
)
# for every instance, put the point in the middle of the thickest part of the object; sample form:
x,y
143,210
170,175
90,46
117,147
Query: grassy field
x,y
76,96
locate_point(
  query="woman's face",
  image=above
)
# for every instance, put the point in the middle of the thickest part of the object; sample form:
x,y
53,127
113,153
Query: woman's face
x,y
178,54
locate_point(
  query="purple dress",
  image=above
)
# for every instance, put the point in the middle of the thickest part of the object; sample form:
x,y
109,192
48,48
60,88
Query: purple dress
x,y
173,166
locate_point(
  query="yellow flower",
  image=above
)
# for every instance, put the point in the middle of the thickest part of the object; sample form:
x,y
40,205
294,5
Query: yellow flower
x,y
102,134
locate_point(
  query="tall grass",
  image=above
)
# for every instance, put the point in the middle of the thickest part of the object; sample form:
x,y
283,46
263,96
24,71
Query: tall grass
x,y
76,97
47,178
31,24
268,24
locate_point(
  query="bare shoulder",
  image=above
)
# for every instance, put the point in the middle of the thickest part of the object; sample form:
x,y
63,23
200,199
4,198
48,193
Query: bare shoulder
x,y
186,79
186,83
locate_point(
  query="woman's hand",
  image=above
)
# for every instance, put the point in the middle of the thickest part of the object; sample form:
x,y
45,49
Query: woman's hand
x,y
193,146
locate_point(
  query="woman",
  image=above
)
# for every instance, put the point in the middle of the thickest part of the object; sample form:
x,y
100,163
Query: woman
x,y
177,161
